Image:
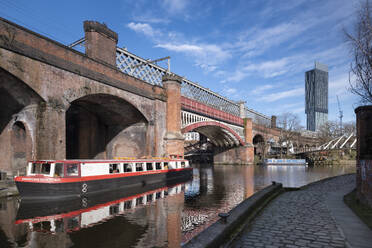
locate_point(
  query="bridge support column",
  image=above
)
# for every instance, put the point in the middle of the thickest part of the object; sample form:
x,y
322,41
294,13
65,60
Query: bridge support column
x,y
175,205
174,141
248,137
364,154
50,132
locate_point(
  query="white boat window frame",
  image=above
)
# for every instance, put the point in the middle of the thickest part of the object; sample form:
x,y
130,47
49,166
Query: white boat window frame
x,y
117,168
69,164
165,164
152,166
31,164
131,165
142,165
54,170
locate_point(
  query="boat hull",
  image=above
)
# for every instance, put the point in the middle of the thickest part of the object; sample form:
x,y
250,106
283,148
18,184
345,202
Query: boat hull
x,y
51,191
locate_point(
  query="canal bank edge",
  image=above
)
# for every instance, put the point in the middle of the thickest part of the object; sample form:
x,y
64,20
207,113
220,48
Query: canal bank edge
x,y
220,232
8,188
316,182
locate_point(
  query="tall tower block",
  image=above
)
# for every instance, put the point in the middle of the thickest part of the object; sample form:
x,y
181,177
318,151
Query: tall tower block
x,y
316,96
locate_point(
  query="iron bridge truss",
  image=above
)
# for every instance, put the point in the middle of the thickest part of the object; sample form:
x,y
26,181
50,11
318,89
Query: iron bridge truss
x,y
152,73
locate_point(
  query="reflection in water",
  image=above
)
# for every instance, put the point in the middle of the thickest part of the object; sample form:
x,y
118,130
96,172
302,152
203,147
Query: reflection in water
x,y
144,219
151,216
227,186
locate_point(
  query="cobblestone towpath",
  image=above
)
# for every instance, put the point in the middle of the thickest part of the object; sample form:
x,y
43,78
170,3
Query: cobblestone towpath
x,y
300,218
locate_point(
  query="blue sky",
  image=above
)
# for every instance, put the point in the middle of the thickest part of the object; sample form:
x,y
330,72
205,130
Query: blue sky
x,y
251,50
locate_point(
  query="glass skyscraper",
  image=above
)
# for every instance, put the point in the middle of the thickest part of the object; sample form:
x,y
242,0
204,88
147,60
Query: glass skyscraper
x,y
316,96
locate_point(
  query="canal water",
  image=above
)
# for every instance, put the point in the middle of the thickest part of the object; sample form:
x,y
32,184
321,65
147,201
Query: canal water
x,y
152,216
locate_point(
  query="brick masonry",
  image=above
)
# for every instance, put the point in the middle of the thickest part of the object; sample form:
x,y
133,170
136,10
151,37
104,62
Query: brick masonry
x,y
364,153
47,86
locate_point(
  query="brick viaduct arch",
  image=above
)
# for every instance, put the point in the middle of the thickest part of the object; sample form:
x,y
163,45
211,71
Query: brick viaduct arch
x,y
45,86
218,133
104,126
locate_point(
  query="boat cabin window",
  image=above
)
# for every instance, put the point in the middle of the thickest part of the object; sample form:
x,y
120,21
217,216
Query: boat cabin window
x,y
128,204
183,164
58,170
114,168
40,168
45,169
59,225
73,223
139,201
72,170
36,168
139,167
149,166
158,195
114,209
158,166
127,168
166,165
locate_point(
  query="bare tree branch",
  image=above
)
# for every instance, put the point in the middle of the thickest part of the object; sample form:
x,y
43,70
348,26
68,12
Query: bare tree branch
x,y
361,47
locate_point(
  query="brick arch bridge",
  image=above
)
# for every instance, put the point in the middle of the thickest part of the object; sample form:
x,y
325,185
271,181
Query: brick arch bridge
x,y
59,103
220,134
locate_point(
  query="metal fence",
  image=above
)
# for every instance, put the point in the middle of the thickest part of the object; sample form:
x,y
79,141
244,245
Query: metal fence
x,y
152,73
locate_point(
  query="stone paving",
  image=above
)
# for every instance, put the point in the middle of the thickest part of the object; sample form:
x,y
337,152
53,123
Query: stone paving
x,y
298,219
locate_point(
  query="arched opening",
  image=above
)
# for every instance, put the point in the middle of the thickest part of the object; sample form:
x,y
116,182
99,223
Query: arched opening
x,y
295,147
21,145
259,144
214,138
15,95
104,126
301,147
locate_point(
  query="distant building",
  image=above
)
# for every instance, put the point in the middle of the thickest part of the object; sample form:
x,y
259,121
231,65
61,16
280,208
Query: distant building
x,y
191,136
316,94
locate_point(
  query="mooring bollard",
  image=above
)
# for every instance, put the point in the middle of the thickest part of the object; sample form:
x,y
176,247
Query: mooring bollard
x,y
273,183
223,217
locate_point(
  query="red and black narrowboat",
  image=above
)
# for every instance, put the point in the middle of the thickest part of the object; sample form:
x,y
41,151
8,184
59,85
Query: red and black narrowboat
x,y
55,179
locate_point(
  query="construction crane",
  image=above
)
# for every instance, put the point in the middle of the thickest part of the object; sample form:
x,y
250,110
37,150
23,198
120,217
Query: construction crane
x,y
341,114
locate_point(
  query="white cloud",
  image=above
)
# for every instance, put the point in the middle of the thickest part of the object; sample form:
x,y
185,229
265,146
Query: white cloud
x,y
284,94
257,41
174,5
230,91
275,7
261,89
151,19
271,68
144,28
207,56
298,110
237,76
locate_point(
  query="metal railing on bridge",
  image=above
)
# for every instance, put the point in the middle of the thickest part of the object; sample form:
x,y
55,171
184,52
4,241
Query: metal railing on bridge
x,y
342,142
150,72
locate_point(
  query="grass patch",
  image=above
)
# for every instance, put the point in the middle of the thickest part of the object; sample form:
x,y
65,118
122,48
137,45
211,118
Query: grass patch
x,y
363,211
